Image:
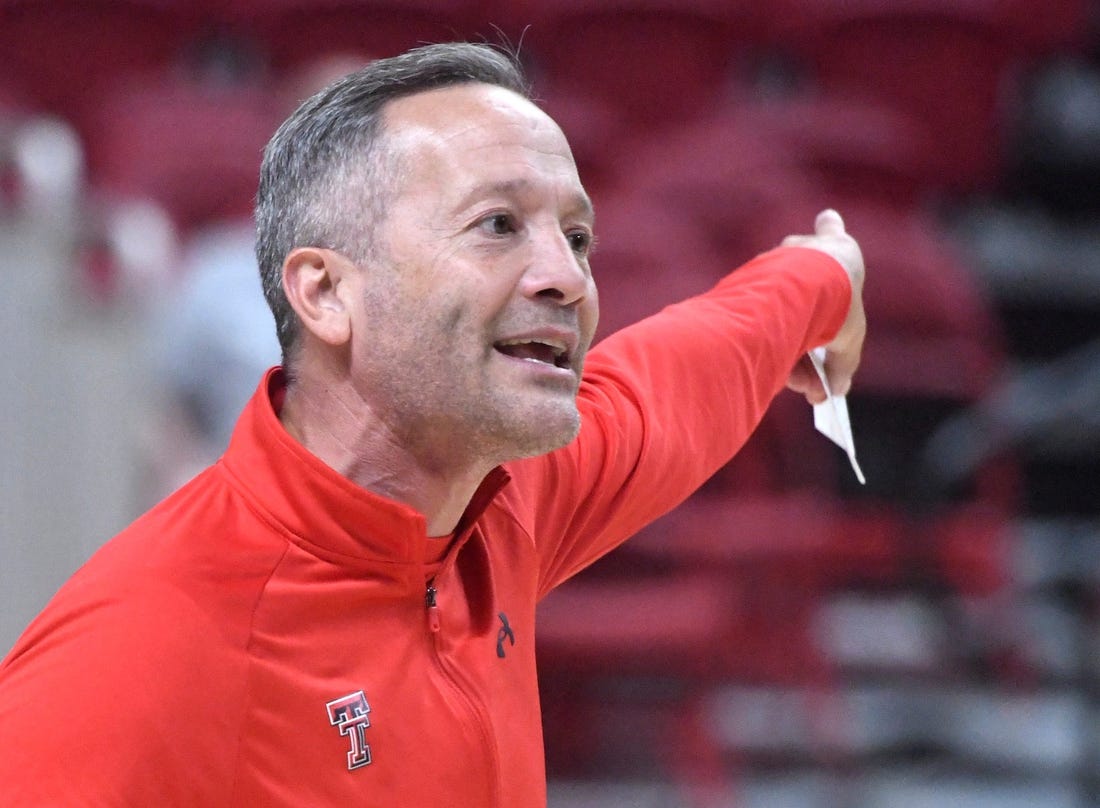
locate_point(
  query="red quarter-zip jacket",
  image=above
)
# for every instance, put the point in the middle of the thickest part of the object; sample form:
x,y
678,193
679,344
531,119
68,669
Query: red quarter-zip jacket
x,y
274,635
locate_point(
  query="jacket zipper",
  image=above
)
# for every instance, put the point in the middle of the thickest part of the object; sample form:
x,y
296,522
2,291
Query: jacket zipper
x,y
433,609
479,715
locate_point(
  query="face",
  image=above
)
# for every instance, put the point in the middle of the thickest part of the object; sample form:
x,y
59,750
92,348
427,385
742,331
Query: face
x,y
479,306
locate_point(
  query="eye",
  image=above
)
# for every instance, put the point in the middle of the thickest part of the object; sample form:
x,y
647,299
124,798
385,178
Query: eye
x,y
498,224
581,241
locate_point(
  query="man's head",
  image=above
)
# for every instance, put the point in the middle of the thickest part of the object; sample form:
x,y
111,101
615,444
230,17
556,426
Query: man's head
x,y
325,182
439,273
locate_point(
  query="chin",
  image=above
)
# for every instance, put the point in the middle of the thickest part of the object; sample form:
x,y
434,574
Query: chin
x,y
544,433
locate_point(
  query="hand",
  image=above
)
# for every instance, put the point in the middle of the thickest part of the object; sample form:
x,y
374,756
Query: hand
x,y
842,354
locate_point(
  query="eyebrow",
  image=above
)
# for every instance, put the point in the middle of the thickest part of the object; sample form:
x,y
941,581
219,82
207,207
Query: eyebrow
x,y
516,187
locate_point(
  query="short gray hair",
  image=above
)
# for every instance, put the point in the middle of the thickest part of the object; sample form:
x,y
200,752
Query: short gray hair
x,y
323,182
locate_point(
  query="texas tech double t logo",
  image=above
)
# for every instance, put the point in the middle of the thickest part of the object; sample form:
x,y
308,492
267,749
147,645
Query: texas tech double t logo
x,y
349,714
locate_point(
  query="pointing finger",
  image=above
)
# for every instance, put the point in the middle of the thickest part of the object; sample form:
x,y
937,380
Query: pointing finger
x,y
829,223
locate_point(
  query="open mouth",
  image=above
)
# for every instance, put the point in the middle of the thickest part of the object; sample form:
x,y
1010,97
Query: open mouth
x,y
545,351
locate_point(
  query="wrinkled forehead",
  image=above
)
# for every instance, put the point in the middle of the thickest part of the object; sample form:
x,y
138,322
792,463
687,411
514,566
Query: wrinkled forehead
x,y
476,128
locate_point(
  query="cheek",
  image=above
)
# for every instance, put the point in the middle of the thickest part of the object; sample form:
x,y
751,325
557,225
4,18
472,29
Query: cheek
x,y
590,313
451,319
452,332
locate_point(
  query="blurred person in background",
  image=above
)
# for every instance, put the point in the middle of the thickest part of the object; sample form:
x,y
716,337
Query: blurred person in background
x,y
212,331
342,608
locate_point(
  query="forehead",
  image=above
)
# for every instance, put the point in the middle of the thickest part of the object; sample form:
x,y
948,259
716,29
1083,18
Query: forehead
x,y
478,133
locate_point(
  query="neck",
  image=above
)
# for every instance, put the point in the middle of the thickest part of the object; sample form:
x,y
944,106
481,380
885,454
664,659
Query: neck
x,y
334,423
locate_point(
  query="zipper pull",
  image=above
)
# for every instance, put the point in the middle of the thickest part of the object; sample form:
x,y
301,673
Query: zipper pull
x,y
433,609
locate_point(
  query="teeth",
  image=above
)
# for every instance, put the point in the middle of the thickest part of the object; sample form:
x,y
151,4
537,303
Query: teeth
x,y
558,346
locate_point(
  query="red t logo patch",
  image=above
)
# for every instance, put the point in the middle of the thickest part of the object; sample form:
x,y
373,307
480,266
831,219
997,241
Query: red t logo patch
x,y
349,713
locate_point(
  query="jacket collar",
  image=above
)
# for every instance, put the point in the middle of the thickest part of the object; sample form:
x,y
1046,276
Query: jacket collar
x,y
321,508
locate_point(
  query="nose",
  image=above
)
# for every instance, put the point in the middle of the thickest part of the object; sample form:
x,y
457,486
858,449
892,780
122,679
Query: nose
x,y
556,272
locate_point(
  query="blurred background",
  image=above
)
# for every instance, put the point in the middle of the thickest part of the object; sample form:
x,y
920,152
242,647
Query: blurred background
x,y
787,637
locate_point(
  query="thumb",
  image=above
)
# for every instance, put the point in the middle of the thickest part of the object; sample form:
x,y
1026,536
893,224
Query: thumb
x,y
829,223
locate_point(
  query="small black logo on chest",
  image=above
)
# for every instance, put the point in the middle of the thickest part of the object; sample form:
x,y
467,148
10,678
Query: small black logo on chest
x,y
505,633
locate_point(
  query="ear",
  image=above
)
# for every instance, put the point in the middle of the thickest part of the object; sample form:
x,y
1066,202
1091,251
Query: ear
x,y
315,281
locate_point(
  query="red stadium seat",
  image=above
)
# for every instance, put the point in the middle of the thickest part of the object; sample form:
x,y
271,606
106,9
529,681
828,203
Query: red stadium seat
x,y
646,257
657,61
753,172
62,54
934,331
862,151
972,550
193,149
735,604
668,632
739,187
11,104
784,454
946,64
593,129
292,32
785,547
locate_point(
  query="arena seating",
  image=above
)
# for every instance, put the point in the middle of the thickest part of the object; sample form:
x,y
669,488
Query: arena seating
x,y
952,67
62,54
705,131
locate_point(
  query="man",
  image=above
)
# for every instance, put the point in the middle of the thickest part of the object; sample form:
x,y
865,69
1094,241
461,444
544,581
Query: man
x,y
315,619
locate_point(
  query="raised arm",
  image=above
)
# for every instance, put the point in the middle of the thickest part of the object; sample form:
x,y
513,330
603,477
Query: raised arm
x,y
668,401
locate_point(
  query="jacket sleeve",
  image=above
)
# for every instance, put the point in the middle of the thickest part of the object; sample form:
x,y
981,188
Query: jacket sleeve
x,y
666,402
